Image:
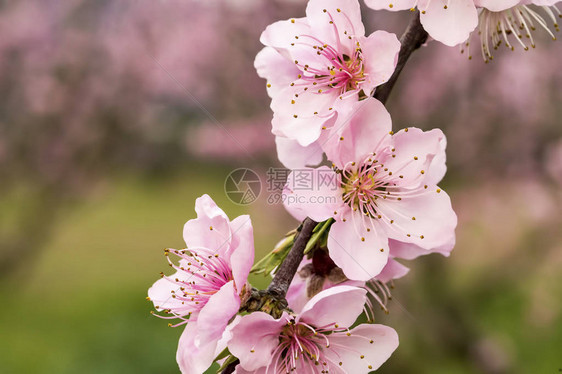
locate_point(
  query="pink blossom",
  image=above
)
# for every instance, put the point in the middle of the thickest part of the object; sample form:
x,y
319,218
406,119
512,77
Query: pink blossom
x,y
210,279
447,21
313,63
318,340
382,186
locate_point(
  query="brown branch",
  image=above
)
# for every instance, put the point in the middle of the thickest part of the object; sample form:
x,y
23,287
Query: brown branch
x,y
280,283
413,38
230,368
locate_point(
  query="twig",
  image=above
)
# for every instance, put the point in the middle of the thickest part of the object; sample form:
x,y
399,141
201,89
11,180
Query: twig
x,y
413,38
280,283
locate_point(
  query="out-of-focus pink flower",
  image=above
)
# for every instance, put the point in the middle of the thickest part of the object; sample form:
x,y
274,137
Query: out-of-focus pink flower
x,y
318,340
210,279
449,22
382,187
313,63
498,22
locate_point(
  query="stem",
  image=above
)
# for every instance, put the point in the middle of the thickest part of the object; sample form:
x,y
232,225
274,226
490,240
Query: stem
x,y
413,38
280,283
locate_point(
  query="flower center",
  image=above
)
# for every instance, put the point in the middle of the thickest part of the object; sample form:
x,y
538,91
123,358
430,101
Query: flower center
x,y
497,28
300,346
362,185
201,274
342,72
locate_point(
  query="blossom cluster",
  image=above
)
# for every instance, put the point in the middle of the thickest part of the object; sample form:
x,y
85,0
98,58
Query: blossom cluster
x,y
381,203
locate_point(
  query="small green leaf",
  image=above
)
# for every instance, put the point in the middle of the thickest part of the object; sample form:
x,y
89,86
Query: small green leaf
x,y
319,236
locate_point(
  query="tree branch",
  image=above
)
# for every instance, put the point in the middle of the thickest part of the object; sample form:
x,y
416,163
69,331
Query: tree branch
x,y
280,283
413,38
230,368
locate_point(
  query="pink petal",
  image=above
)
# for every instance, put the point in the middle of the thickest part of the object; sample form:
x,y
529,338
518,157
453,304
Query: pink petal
x,y
414,151
295,118
360,253
339,305
365,350
425,219
294,156
345,22
498,5
194,357
438,166
161,292
380,55
254,339
281,34
360,129
216,314
450,26
211,228
240,370
386,4
409,251
392,270
276,69
242,255
313,193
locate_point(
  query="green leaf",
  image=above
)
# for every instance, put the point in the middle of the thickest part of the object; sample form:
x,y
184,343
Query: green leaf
x,y
319,236
223,354
273,259
229,360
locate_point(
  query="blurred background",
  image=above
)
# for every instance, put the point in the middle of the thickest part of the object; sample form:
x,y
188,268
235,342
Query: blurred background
x,y
116,115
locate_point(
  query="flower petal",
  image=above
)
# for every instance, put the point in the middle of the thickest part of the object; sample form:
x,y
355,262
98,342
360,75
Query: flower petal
x,y
326,309
242,255
334,21
413,153
294,117
358,246
276,69
380,55
450,25
162,290
392,270
211,228
194,357
361,128
216,314
498,5
364,349
409,251
294,156
281,34
313,193
425,219
390,4
254,339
